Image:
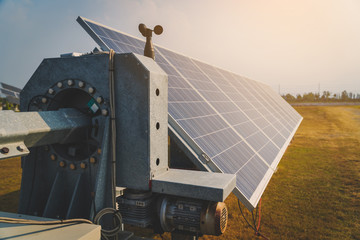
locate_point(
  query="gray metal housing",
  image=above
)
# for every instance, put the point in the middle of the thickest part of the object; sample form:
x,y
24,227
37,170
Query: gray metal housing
x,y
63,180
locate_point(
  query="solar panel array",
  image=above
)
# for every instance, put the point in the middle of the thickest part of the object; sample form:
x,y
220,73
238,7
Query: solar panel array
x,y
11,93
241,126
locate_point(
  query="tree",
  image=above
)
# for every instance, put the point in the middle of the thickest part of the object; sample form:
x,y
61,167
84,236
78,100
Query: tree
x,y
289,97
309,97
326,95
344,95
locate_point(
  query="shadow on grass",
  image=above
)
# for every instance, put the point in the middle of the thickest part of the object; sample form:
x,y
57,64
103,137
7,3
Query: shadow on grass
x,y
9,202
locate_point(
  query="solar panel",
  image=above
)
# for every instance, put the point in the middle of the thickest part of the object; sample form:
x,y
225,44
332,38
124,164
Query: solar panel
x,y
231,124
11,93
9,87
7,92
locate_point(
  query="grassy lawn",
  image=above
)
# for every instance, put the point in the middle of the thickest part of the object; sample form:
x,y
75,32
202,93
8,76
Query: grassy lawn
x,y
315,194
10,181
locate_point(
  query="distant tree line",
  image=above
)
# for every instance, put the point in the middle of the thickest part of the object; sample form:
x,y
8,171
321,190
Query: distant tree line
x,y
326,96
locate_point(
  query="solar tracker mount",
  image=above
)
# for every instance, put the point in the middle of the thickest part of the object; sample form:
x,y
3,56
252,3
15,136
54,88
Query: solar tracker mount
x,y
222,121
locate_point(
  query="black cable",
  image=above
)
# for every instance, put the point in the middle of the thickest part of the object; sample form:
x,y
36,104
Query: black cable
x,y
254,220
254,228
117,226
244,216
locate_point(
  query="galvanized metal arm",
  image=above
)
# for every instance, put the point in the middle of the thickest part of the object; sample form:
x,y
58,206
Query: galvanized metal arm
x,y
19,131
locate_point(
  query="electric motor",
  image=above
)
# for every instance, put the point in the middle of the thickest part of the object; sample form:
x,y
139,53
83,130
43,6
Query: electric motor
x,y
193,216
137,208
190,216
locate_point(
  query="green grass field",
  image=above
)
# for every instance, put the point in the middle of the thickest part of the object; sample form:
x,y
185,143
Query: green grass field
x,y
315,194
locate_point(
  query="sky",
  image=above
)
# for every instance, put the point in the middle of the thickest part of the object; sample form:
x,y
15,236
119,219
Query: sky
x,y
295,46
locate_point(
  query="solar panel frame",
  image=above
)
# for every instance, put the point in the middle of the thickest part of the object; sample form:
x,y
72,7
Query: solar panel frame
x,y
11,93
10,88
273,120
7,92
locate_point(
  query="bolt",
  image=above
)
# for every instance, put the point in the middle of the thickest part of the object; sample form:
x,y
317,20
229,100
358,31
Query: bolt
x,y
92,160
83,165
81,84
99,151
20,148
4,150
51,91
59,84
104,112
99,99
91,90
70,82
44,100
62,164
72,166
53,157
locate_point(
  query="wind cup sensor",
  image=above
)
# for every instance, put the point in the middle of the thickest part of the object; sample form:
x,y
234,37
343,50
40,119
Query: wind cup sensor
x,y
147,32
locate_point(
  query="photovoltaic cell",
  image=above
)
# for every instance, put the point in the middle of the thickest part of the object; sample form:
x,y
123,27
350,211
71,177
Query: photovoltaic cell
x,y
241,125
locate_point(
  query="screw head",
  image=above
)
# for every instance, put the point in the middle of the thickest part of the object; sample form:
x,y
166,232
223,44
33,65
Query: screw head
x,y
91,90
104,112
72,166
59,85
83,165
92,160
53,157
20,148
62,164
44,100
4,150
81,84
51,91
99,99
70,82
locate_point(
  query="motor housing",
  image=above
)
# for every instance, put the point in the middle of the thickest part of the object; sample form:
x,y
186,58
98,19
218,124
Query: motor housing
x,y
185,215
